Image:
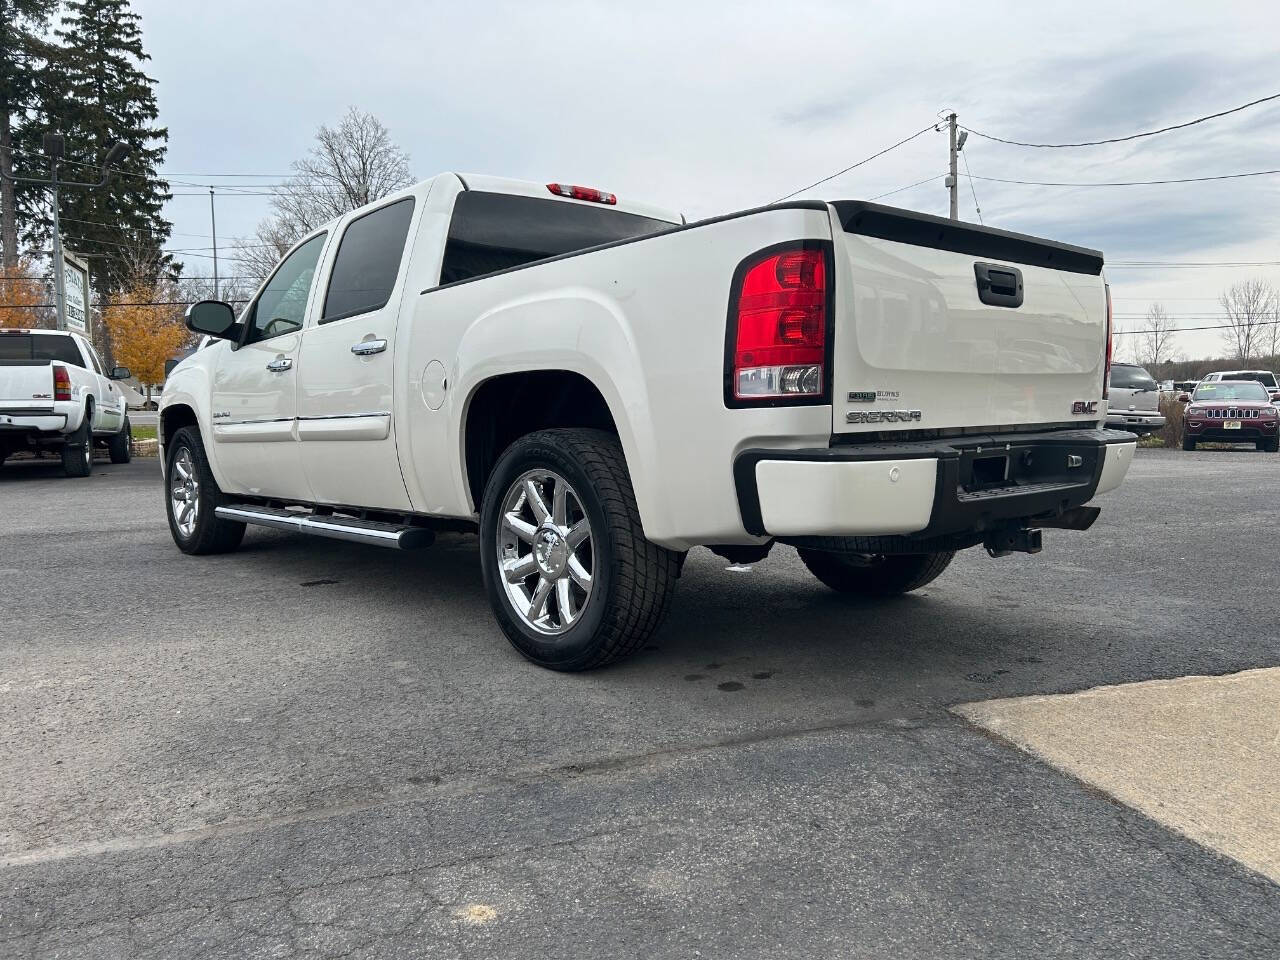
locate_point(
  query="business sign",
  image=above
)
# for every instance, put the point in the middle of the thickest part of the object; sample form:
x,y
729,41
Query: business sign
x,y
75,293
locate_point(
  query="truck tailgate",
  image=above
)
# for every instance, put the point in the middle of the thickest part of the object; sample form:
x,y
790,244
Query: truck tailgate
x,y
25,384
940,324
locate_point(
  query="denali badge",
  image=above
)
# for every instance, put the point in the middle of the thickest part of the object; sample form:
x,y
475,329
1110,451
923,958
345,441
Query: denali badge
x,y
871,396
882,416
220,414
1085,406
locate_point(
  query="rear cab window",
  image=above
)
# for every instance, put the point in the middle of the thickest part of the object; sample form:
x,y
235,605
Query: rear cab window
x,y
19,348
490,232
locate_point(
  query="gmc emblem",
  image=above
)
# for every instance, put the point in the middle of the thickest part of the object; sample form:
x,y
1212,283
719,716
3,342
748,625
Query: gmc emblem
x,y
1085,406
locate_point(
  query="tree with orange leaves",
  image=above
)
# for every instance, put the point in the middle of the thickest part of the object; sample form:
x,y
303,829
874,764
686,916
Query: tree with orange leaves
x,y
23,298
144,337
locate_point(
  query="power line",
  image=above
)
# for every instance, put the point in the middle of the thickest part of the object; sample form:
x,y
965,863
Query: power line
x,y
852,166
1132,136
108,306
890,193
1220,326
1127,183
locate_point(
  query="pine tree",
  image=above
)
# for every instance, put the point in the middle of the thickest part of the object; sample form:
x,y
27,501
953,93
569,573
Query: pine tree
x,y
22,22
95,93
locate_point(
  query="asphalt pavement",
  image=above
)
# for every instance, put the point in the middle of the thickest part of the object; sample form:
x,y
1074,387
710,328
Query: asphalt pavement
x,y
313,749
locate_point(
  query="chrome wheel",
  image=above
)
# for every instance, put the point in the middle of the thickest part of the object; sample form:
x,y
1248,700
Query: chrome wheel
x,y
184,493
545,554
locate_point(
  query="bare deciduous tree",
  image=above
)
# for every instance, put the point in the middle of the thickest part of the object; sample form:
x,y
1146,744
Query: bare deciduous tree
x,y
350,165
1155,338
1248,305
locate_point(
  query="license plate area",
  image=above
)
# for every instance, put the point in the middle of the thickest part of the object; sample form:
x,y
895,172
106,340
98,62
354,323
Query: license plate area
x,y
988,467
1231,425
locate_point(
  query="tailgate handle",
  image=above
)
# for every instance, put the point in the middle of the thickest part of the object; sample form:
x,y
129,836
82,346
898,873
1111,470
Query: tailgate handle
x,y
998,285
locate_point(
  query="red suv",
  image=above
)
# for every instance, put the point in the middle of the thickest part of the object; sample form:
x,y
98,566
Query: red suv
x,y
1231,411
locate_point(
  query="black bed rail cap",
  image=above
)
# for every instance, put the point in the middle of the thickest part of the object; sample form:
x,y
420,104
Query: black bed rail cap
x,y
925,230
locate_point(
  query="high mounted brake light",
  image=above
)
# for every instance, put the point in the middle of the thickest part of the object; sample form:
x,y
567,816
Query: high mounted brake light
x,y
1106,373
61,383
778,318
581,193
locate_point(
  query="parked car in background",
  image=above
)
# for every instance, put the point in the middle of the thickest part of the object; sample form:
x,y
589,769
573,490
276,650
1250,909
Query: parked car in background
x,y
1231,411
55,395
1134,403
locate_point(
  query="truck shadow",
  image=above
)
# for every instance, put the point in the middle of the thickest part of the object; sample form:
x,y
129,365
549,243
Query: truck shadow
x,y
17,470
775,635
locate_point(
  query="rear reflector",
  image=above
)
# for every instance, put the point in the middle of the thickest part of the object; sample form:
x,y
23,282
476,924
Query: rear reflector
x,y
61,383
581,193
779,339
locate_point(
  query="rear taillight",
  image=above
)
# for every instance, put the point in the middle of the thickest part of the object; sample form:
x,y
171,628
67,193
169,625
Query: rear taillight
x,y
1106,373
581,193
61,383
778,328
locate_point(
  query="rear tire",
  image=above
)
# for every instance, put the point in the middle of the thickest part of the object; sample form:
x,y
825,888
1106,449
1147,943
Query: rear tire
x,y
875,575
579,587
1188,443
191,497
77,451
120,446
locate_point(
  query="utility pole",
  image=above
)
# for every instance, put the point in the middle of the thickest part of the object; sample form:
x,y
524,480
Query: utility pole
x,y
53,149
213,222
953,181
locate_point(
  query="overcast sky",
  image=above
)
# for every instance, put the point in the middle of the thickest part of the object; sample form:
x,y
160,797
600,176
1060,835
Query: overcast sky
x,y
712,107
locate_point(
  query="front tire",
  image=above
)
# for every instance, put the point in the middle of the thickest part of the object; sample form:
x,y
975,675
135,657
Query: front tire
x,y
1270,446
77,451
571,578
875,575
1188,443
120,446
192,496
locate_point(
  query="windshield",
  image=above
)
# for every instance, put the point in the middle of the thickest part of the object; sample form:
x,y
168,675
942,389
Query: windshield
x,y
1132,378
1221,390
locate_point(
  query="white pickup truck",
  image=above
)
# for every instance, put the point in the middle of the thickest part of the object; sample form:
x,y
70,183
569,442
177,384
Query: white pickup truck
x,y
55,396
597,386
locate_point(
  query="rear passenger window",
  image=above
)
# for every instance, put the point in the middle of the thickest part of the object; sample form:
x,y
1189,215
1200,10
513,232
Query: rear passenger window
x,y
368,261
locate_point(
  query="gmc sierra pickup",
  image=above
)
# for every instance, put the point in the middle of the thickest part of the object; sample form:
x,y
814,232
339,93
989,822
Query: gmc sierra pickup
x,y
597,386
55,396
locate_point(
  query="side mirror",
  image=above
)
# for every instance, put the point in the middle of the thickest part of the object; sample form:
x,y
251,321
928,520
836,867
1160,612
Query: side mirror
x,y
169,365
1275,397
1184,398
212,317
120,373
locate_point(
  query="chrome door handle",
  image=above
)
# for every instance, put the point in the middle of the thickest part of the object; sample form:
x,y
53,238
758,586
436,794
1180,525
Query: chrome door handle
x,y
280,364
367,348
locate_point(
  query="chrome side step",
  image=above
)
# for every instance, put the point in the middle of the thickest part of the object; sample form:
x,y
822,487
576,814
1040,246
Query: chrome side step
x,y
395,535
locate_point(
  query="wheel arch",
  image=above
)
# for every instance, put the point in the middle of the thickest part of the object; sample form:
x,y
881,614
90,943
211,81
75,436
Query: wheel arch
x,y
502,408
